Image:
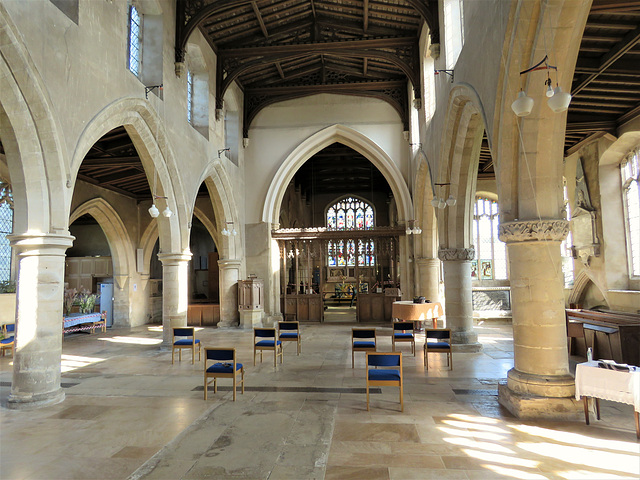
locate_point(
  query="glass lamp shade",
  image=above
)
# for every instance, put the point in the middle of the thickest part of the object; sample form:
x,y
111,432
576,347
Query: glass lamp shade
x,y
225,232
522,105
153,211
441,204
167,212
560,100
434,202
233,232
417,230
408,231
451,200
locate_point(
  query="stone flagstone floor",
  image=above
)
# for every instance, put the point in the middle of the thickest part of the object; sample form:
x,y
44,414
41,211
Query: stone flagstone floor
x,y
129,413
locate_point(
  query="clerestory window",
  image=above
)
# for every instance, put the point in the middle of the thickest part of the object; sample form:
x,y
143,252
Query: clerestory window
x,y
630,172
350,213
135,41
189,96
453,31
566,247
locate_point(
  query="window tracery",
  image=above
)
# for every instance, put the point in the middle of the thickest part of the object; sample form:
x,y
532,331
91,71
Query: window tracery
x,y
135,40
346,214
491,253
630,172
6,228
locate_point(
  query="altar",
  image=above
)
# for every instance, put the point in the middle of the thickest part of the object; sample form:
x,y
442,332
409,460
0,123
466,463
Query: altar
x,y
408,311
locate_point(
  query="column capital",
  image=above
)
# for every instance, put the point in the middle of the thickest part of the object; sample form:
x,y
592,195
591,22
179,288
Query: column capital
x,y
41,244
456,254
533,230
229,263
174,258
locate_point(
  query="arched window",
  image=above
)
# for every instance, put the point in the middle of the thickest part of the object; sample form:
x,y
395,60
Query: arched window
x,y
630,171
6,228
491,253
135,40
189,96
429,86
566,250
350,213
453,31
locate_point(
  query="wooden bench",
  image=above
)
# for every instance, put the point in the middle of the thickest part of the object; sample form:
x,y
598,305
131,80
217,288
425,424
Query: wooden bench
x,y
611,335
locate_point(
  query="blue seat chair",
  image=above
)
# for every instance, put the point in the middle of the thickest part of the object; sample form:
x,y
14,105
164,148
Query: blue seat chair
x,y
403,332
185,337
386,371
225,366
440,343
363,340
8,340
289,331
266,339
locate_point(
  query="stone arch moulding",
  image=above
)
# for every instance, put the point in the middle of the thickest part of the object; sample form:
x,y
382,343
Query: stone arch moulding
x,y
224,209
147,131
425,215
316,142
147,242
580,286
462,137
40,172
116,233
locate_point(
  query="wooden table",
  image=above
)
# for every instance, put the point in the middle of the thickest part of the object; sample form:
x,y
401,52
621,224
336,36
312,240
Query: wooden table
x,y
408,311
597,382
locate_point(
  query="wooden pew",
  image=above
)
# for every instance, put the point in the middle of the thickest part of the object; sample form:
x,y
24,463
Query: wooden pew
x,y
610,335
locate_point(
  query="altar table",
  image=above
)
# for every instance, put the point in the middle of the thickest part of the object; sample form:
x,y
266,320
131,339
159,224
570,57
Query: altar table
x,y
617,386
77,322
408,311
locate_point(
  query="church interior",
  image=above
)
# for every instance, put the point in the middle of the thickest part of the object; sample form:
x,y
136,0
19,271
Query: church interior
x,y
224,167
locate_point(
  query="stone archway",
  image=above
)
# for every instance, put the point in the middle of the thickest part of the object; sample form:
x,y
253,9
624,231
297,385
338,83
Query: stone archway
x,y
121,252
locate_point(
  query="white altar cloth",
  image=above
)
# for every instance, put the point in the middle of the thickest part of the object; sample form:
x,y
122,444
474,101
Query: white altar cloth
x,y
594,381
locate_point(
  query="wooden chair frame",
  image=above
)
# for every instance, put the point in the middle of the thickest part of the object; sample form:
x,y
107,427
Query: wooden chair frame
x,y
184,332
226,355
363,333
288,329
276,346
443,335
9,339
403,326
378,360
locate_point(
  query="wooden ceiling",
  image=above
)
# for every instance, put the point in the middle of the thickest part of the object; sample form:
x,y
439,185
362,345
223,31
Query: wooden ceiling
x,y
606,83
284,49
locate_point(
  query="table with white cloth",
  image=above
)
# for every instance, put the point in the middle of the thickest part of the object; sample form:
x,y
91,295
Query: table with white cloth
x,y
617,386
417,313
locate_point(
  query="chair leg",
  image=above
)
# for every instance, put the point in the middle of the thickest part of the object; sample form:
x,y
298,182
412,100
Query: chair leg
x,y
215,385
193,354
275,357
352,359
172,352
367,394
254,356
401,399
205,386
242,378
234,387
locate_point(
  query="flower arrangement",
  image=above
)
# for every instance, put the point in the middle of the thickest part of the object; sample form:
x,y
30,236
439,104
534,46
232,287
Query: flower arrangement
x,y
87,300
70,296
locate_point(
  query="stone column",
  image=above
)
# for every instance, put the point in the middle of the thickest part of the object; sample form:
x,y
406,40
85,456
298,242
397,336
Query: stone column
x,y
458,297
175,292
39,312
540,384
429,276
229,276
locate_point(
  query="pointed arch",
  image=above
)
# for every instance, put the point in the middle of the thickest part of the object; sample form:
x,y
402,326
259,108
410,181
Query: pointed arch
x,y
322,139
459,157
147,131
31,137
425,214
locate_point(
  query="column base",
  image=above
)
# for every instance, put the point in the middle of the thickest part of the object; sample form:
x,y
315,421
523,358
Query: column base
x,y
558,386
29,402
465,341
537,407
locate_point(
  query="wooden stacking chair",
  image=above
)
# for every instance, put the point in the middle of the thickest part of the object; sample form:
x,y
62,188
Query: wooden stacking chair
x,y
363,340
8,340
185,337
383,374
269,342
290,332
225,366
403,332
441,344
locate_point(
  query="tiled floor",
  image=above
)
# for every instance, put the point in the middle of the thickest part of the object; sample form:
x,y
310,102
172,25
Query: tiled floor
x,y
129,413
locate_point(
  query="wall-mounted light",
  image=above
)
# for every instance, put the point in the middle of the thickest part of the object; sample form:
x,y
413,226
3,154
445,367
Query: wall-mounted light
x,y
446,72
153,210
228,232
228,149
441,203
558,100
151,88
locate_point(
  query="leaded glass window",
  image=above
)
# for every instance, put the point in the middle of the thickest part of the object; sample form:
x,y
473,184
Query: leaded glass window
x,y
135,40
6,228
350,213
491,253
630,170
566,250
189,96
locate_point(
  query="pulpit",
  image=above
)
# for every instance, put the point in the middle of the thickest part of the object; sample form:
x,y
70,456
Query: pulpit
x,y
250,302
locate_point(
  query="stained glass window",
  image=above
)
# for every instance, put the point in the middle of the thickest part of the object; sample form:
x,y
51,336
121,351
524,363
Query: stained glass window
x,y
491,253
565,246
135,40
6,228
350,213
